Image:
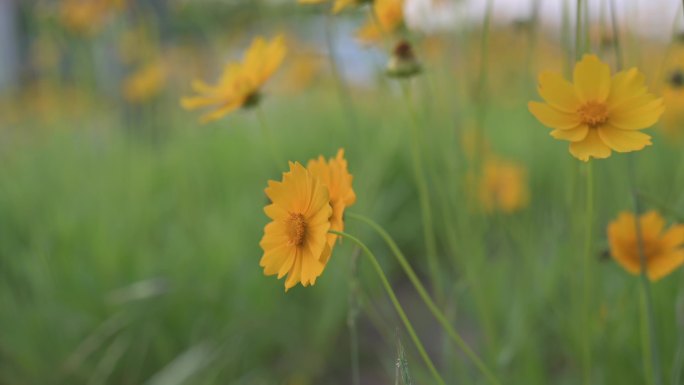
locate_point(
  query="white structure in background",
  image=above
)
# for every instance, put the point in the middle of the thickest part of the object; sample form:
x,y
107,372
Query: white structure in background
x,y
9,50
430,16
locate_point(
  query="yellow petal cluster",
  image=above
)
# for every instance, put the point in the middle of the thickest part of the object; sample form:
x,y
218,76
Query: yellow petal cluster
x,y
662,249
240,83
597,113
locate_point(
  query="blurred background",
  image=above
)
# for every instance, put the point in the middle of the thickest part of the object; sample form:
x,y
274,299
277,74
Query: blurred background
x,y
129,231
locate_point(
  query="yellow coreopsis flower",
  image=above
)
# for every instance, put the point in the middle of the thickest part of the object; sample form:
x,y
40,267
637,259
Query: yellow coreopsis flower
x,y
145,84
663,250
241,83
295,241
335,176
597,113
338,6
503,186
388,17
87,16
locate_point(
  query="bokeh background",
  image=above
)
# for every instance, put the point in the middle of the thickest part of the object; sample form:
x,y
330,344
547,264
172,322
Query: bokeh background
x,y
129,231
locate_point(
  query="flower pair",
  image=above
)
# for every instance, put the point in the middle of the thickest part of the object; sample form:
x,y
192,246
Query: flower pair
x,y
305,206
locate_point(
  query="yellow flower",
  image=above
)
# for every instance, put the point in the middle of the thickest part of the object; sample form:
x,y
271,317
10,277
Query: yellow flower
x,y
663,251
597,113
334,175
87,16
338,6
240,84
388,17
503,186
295,242
144,84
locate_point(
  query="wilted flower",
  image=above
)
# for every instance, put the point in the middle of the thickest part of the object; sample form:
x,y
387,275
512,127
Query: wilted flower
x,y
403,62
597,113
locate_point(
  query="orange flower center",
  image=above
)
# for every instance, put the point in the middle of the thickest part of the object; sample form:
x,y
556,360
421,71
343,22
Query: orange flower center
x,y
296,225
593,114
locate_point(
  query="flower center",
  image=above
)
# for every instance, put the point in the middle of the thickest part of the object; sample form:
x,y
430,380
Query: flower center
x,y
296,225
593,114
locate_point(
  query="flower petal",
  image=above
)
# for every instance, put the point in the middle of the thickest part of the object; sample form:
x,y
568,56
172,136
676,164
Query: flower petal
x,y
592,79
623,140
591,146
639,117
558,92
625,86
663,264
573,135
552,117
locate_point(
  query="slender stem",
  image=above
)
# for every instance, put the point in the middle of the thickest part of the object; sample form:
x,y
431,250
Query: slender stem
x,y
423,196
352,316
278,159
397,305
586,283
645,282
422,292
341,86
578,32
616,36
679,355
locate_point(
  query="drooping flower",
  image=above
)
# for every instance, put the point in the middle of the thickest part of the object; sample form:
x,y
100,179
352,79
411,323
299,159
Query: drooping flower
x,y
338,6
295,242
597,113
146,83
335,176
503,186
388,16
663,250
240,84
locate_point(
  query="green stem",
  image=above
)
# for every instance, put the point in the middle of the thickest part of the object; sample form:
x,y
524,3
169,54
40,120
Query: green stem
x,y
423,196
341,86
352,316
645,282
278,159
422,292
578,32
586,283
397,305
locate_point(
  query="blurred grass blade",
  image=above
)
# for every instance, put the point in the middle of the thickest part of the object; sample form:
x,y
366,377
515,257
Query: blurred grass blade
x,y
184,366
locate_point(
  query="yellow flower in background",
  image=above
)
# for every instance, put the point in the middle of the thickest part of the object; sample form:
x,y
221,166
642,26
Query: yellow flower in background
x,y
240,84
87,16
335,176
295,241
338,6
503,186
663,250
145,84
597,114
388,17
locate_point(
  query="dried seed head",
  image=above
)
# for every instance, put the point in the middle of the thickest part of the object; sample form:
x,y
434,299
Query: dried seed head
x,y
403,62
